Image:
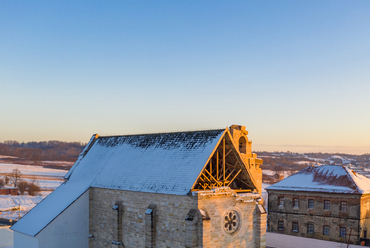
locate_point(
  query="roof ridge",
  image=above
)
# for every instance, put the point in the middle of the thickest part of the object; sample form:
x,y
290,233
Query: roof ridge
x,y
351,178
174,132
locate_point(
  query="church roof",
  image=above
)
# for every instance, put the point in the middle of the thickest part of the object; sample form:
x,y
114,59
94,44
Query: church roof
x,y
325,178
167,163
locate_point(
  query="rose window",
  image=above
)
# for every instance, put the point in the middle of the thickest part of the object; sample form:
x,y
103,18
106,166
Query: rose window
x,y
231,221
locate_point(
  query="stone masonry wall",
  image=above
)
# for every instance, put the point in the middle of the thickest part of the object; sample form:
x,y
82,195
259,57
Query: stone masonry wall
x,y
365,217
170,213
177,221
318,216
219,202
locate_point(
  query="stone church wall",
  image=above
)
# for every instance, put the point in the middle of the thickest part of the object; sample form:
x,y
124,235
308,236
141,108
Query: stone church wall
x,y
159,220
218,203
170,215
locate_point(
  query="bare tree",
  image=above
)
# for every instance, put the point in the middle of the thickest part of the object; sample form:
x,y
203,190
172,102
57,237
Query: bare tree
x,y
6,178
15,176
2,182
33,187
22,186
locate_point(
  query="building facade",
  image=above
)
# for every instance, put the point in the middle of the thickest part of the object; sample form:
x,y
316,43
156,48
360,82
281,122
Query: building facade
x,y
185,189
325,202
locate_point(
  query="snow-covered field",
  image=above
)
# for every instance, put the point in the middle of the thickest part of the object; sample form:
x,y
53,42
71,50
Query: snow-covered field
x,y
271,173
32,170
10,204
47,178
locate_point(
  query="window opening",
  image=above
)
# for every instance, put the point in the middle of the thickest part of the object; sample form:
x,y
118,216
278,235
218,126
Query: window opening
x,y
281,225
342,232
310,203
296,203
295,226
326,231
326,205
310,228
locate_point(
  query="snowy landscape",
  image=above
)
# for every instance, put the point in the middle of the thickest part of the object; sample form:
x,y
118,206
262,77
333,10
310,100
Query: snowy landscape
x,y
48,175
15,206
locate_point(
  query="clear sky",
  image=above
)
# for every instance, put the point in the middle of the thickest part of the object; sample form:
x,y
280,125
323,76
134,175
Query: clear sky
x,y
296,73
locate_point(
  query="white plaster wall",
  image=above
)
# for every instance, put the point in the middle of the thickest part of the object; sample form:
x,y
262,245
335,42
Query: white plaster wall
x,y
6,236
70,229
24,241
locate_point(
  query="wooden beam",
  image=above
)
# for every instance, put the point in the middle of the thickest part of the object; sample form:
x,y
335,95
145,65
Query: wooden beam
x,y
206,177
211,175
223,157
234,177
217,166
228,153
230,173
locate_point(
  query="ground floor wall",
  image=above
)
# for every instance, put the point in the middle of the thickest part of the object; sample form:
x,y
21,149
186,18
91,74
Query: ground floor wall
x,y
318,223
6,236
69,229
319,215
25,241
138,219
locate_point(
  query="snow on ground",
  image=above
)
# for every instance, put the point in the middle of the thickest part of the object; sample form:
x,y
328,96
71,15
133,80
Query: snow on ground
x,y
32,170
305,162
9,204
272,173
47,178
5,156
344,160
47,184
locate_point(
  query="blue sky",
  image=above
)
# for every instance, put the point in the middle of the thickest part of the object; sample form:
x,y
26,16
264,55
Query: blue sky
x,y
296,73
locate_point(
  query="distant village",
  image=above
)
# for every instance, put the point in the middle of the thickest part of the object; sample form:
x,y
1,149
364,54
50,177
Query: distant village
x,y
155,191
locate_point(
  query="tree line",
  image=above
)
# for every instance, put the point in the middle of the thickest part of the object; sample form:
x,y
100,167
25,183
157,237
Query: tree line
x,y
42,151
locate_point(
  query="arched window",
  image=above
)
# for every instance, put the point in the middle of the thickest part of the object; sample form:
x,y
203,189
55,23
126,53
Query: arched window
x,y
242,145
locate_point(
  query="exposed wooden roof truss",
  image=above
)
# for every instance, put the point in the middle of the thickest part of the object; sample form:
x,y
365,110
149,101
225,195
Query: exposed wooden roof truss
x,y
225,168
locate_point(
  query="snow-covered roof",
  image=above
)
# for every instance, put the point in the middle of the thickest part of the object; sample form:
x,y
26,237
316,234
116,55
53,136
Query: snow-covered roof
x,y
325,178
166,163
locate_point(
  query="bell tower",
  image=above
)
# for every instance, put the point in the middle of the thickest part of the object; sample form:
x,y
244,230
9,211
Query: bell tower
x,y
240,139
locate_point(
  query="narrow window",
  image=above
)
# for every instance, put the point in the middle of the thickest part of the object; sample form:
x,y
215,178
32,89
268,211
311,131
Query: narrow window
x,y
310,203
365,234
281,225
343,206
295,203
326,231
326,205
294,226
310,228
342,232
242,145
281,201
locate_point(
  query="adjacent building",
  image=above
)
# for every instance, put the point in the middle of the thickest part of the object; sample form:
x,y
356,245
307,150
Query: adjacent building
x,y
9,191
325,202
182,189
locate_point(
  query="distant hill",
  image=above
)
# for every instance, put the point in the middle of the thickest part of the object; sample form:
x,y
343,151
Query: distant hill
x,y
298,161
42,151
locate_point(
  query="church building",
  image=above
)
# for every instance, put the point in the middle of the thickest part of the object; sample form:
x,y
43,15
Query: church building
x,y
180,189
